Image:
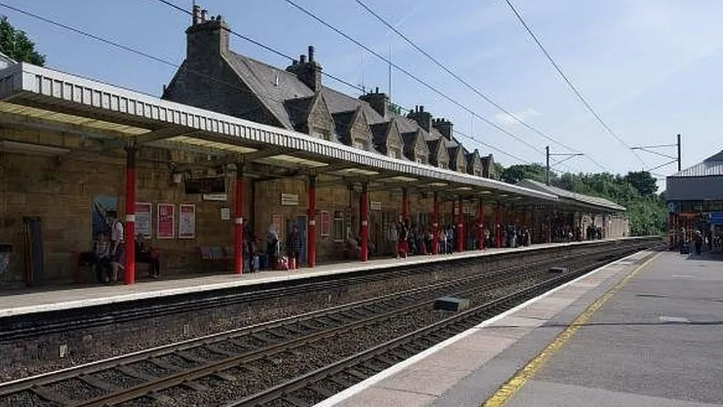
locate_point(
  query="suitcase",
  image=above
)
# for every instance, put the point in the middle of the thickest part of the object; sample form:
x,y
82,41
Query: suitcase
x,y
684,249
255,264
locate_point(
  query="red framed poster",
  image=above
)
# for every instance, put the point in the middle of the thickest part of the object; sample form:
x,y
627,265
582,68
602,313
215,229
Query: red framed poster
x,y
186,221
325,223
165,221
144,212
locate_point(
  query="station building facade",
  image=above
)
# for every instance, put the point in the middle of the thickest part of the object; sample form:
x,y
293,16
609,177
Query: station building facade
x,y
233,142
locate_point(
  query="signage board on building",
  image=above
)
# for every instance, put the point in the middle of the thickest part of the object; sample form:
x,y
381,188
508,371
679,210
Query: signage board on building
x,y
209,185
213,197
375,205
166,221
290,199
187,221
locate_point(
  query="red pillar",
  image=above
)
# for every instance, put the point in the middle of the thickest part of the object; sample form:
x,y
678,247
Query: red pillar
x,y
312,228
461,221
405,206
435,223
481,225
498,226
364,233
239,220
129,276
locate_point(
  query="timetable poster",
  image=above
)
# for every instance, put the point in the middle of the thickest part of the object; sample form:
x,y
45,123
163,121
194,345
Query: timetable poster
x,y
143,219
165,225
187,221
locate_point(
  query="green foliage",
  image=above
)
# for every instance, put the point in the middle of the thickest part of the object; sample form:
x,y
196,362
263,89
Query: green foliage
x,y
518,172
16,44
636,191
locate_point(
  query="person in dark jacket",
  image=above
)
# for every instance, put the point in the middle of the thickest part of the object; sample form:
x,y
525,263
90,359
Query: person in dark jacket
x,y
294,244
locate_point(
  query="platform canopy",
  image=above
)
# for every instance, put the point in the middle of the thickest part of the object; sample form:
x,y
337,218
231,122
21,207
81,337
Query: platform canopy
x,y
593,203
700,182
37,97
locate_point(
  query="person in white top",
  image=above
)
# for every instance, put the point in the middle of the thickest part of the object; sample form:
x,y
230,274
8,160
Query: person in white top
x,y
118,248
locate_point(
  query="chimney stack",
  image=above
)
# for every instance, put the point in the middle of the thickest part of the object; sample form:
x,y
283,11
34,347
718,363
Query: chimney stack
x,y
308,71
444,127
196,15
378,101
206,38
423,118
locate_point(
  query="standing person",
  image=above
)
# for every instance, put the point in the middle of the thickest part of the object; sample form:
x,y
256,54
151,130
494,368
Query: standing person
x,y
118,245
402,243
272,246
682,241
449,248
698,241
294,245
101,257
442,241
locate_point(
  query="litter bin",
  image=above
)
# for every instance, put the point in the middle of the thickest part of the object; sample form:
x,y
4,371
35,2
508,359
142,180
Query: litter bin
x,y
5,250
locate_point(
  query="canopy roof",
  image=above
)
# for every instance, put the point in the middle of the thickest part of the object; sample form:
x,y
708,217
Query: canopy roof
x,y
592,202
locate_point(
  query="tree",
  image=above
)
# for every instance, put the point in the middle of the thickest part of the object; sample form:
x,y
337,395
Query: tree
x,y
518,172
15,44
643,182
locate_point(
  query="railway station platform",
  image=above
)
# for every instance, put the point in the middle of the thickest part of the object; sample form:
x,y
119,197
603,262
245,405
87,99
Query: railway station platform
x,y
643,331
38,300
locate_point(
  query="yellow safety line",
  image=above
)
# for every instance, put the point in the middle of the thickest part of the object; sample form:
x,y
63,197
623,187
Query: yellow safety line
x,y
509,389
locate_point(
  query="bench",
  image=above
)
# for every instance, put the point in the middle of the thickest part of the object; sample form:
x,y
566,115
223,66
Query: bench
x,y
216,253
84,260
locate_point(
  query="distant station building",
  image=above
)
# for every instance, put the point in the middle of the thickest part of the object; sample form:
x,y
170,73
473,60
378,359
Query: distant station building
x,y
694,198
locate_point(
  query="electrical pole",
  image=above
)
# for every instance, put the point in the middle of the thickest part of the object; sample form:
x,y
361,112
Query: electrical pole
x,y
678,151
548,165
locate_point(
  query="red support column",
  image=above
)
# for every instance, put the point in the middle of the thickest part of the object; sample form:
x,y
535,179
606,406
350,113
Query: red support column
x,y
312,228
461,221
239,220
364,233
481,225
405,206
129,277
435,223
498,226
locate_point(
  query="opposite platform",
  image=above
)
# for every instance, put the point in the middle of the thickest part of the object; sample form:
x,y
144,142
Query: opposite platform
x,y
37,300
643,331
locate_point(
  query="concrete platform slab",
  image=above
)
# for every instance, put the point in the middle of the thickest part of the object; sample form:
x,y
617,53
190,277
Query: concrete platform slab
x,y
653,340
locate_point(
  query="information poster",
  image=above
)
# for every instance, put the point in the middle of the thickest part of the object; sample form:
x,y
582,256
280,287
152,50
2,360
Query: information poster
x,y
144,217
325,221
187,221
165,221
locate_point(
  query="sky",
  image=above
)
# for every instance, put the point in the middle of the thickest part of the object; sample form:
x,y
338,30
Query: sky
x,y
650,68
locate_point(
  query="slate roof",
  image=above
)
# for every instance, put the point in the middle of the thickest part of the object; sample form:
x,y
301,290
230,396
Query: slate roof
x,y
710,167
288,99
562,193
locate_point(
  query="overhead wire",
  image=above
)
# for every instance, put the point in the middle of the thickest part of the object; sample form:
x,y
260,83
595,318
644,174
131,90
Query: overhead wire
x,y
178,66
467,84
570,83
409,74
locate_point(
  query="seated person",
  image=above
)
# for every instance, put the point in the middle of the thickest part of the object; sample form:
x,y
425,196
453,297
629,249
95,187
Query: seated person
x,y
144,254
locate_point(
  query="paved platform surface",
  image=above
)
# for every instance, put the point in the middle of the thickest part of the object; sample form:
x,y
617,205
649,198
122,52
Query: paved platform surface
x,y
18,302
644,331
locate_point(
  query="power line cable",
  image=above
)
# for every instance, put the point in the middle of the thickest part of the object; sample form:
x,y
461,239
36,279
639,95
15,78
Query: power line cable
x,y
467,84
175,65
409,74
264,46
569,83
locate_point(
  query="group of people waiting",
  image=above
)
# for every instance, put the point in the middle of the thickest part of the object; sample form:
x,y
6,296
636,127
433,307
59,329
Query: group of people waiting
x,y
269,253
417,240
108,257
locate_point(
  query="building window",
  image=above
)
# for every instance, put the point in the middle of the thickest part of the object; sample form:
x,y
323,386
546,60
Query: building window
x,y
421,159
339,225
358,144
443,164
320,134
393,152
477,173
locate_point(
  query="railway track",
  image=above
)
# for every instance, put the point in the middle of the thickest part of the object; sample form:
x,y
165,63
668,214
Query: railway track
x,y
145,376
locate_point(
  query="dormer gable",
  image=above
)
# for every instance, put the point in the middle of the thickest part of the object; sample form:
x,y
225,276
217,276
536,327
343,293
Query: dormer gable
x,y
474,164
415,147
439,156
388,139
310,115
457,159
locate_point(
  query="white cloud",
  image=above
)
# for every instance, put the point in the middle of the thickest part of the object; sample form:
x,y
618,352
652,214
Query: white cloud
x,y
525,115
